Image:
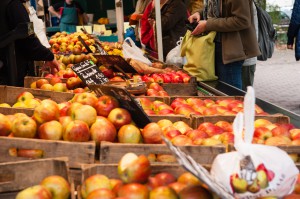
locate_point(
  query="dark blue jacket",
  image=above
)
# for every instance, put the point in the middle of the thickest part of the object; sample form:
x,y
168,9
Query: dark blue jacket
x,y
294,29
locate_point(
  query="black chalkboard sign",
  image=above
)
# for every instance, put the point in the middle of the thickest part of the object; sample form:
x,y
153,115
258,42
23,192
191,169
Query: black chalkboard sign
x,y
89,73
119,63
126,101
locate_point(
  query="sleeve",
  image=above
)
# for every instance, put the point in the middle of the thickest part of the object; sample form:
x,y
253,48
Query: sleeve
x,y
239,18
79,7
146,29
292,32
31,45
172,15
57,6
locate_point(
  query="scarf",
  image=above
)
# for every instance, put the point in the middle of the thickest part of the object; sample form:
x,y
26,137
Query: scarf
x,y
212,8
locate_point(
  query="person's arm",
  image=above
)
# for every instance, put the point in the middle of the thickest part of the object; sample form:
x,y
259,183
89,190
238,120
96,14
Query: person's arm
x,y
53,12
30,46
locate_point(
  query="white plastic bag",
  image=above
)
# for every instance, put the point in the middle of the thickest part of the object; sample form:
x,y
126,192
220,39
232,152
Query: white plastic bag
x,y
174,56
134,52
253,170
39,27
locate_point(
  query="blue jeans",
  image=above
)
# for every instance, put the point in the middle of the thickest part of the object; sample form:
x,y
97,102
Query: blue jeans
x,y
229,73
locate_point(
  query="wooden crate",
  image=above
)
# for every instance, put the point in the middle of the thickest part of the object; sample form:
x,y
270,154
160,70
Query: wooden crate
x,y
11,111
28,80
77,152
113,152
181,89
9,94
16,176
197,120
165,99
214,98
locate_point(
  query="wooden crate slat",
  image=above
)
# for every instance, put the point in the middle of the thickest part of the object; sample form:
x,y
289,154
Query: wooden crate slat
x,y
112,152
77,153
172,118
180,89
31,172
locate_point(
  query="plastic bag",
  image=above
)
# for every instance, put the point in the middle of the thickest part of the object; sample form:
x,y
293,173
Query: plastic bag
x,y
174,56
254,170
134,52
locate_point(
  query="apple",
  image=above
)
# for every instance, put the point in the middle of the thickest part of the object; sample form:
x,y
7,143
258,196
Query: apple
x,y
295,134
35,192
195,191
134,190
85,99
51,130
196,133
281,131
5,105
32,103
47,87
103,130
165,178
181,140
182,127
213,130
177,186
40,82
24,127
78,90
94,182
129,133
30,153
166,78
64,121
192,101
133,168
103,193
5,125
178,102
115,184
262,133
166,158
55,80
170,132
108,72
145,103
76,131
164,123
188,179
227,138
278,140
150,112
261,123
185,110
119,117
48,110
85,113
72,107
163,192
105,104
152,133
226,126
209,102
155,86
24,96
152,92
60,87
57,185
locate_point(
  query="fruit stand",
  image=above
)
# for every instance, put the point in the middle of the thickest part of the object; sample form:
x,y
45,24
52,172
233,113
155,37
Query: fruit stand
x,y
105,143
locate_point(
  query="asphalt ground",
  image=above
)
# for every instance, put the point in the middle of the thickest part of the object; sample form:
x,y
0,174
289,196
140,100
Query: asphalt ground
x,y
277,80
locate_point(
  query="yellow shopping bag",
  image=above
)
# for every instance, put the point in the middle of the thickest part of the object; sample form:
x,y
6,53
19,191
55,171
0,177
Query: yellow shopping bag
x,y
200,55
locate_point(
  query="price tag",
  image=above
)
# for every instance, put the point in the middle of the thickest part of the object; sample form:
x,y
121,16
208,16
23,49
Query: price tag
x,y
197,170
118,63
126,101
89,73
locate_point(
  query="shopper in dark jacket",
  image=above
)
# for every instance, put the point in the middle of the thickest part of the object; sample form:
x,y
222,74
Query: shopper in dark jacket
x,y
294,30
12,13
173,16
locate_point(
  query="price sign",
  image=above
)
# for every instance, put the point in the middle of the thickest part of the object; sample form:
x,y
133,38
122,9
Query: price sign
x,y
89,73
118,62
126,101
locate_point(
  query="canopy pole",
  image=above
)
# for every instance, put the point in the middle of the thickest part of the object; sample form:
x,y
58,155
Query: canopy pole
x,y
158,30
120,19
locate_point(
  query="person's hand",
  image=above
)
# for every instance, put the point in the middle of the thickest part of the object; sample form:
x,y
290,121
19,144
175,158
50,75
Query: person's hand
x,y
194,17
290,46
201,27
53,65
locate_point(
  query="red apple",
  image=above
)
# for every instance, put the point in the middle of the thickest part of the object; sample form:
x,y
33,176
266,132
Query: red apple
x,y
47,110
103,130
55,80
40,82
85,99
170,132
134,169
76,131
188,179
150,112
262,133
36,192
52,130
129,133
185,110
295,134
155,86
94,182
282,131
166,78
119,117
203,126
73,82
105,104
194,101
152,92
193,134
5,125
134,190
196,191
63,108
57,185
68,74
24,127
116,184
85,113
163,192
213,130
145,103
226,126
278,140
162,93
182,127
182,140
208,102
78,90
152,133
165,112
165,178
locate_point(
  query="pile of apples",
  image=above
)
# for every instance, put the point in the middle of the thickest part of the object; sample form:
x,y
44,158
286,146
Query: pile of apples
x,y
135,181
197,106
51,187
168,77
61,42
73,84
112,48
74,59
154,89
156,107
